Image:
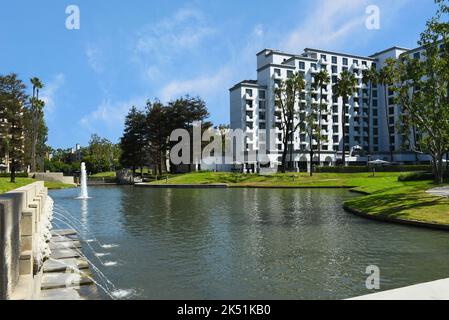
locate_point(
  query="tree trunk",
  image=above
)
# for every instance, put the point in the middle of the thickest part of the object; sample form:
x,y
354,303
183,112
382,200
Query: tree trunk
x,y
369,117
319,126
285,151
311,153
343,121
439,169
387,109
416,145
284,157
13,171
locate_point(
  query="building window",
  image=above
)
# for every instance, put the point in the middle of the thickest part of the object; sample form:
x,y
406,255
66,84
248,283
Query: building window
x,y
356,62
262,115
249,92
313,66
345,61
323,56
262,104
277,72
334,79
302,65
364,63
262,94
262,126
289,73
334,69
345,68
334,60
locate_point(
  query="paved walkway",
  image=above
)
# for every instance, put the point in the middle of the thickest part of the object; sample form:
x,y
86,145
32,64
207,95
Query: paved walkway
x,y
442,192
66,274
436,290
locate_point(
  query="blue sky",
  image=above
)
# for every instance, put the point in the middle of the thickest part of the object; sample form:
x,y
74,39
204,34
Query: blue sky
x,y
130,51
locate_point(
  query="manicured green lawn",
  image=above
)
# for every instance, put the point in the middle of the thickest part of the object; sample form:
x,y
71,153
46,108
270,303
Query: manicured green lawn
x,y
6,186
385,195
403,200
58,185
283,180
110,174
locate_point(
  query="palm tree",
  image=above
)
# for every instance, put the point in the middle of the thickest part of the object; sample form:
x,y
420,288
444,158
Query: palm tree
x,y
322,79
344,88
385,78
370,77
36,109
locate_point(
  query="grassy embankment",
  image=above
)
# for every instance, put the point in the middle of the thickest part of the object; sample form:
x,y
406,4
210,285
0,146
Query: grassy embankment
x,y
6,185
384,196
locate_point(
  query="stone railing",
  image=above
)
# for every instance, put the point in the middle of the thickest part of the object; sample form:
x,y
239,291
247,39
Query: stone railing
x,y
25,223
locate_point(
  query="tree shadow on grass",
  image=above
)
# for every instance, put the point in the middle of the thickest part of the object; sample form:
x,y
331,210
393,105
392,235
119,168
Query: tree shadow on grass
x,y
397,205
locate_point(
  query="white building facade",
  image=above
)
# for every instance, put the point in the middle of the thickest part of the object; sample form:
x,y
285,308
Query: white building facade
x,y
252,108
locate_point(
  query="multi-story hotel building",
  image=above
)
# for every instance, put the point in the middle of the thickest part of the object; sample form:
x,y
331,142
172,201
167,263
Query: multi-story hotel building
x,y
369,135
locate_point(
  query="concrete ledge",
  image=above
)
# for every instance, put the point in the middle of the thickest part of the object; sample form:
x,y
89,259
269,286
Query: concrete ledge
x,y
436,290
412,223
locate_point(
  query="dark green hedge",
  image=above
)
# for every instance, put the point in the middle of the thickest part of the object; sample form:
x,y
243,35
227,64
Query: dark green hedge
x,y
18,175
416,176
359,169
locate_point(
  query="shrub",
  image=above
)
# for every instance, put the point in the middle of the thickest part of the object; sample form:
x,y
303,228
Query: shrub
x,y
387,168
18,175
416,176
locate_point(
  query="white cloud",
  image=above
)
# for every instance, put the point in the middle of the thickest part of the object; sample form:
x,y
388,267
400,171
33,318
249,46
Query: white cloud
x,y
183,31
110,114
203,85
50,90
258,30
331,23
153,73
95,59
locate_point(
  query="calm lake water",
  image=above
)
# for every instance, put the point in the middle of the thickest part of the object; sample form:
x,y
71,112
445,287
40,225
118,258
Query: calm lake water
x,y
248,243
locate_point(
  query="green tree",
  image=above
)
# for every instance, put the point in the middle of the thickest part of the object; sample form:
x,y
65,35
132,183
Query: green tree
x,y
345,88
157,133
101,151
370,77
12,101
312,124
183,113
134,144
36,118
287,94
321,80
422,89
386,79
